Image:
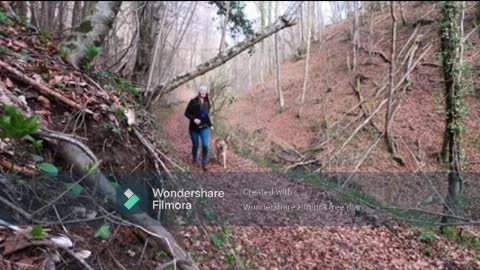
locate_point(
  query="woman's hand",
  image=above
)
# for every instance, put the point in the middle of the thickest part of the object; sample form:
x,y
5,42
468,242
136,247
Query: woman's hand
x,y
197,121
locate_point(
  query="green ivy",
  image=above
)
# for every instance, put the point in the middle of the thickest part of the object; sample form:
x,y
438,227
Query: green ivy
x,y
238,22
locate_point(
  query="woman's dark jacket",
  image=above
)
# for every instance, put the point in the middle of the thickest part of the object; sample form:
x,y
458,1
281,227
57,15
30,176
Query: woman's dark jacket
x,y
194,110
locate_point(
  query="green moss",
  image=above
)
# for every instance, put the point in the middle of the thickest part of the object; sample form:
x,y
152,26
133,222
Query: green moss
x,y
85,27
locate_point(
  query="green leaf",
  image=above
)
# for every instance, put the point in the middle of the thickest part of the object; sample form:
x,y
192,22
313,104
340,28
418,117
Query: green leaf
x,y
37,232
103,232
75,189
37,144
48,168
92,167
37,158
15,125
426,236
115,184
217,241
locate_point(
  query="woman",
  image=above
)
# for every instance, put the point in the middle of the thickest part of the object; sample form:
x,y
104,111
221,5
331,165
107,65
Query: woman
x,y
197,112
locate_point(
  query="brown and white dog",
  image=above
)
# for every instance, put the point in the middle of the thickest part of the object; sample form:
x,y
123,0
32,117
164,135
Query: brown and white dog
x,y
221,151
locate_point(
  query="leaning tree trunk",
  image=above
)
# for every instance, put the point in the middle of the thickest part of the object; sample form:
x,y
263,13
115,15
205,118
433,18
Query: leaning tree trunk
x,y
282,22
451,37
92,32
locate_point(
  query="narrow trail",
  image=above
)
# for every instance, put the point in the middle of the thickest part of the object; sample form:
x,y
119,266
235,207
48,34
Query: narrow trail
x,y
176,127
305,247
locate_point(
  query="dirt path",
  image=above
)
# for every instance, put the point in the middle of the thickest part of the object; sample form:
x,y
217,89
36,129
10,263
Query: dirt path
x,y
176,127
305,247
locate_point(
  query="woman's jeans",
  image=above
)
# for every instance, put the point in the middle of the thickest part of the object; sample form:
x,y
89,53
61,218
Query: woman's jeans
x,y
203,134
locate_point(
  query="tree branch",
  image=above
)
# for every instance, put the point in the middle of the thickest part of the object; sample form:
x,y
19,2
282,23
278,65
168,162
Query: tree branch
x,y
282,22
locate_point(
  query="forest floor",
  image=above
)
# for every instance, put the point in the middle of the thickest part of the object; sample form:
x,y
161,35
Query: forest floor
x,y
307,247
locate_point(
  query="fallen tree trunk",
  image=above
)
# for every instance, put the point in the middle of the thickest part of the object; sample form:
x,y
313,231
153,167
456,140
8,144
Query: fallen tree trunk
x,y
41,87
282,22
76,156
80,156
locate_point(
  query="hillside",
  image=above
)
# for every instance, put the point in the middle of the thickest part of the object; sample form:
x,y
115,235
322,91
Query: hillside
x,y
418,124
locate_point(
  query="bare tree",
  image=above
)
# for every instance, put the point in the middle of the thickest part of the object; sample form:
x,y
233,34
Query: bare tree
x,y
281,100
76,12
402,14
388,118
148,21
156,46
224,27
33,12
20,7
305,77
356,35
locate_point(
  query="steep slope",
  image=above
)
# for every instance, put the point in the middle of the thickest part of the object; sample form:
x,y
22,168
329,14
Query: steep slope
x,y
323,246
418,125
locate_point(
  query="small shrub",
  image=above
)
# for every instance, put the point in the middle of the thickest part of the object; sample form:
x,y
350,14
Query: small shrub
x,y
91,52
427,237
15,125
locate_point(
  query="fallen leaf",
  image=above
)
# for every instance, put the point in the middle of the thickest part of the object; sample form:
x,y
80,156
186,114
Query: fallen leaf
x,y
20,43
105,107
62,241
12,31
43,112
84,254
130,114
8,83
44,101
15,243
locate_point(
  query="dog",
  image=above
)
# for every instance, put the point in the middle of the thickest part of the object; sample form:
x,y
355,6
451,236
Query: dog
x,y
221,151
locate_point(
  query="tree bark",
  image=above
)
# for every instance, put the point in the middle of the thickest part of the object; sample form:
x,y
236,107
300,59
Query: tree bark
x,y
402,14
50,19
356,35
88,8
61,23
451,42
262,44
20,7
389,118
148,25
277,67
91,32
225,25
34,18
305,77
157,44
76,13
282,22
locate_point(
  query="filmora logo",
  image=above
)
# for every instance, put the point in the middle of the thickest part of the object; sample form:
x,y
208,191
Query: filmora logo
x,y
131,199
